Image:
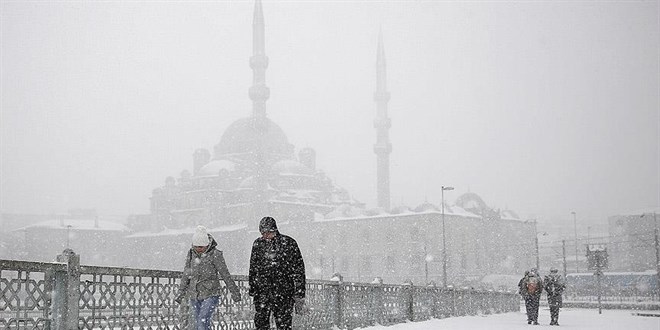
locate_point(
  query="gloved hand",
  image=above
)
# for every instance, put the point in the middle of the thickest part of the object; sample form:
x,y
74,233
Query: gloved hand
x,y
236,297
299,305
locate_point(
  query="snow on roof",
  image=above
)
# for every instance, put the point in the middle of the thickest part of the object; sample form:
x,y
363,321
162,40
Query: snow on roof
x,y
188,231
646,272
648,210
464,213
78,224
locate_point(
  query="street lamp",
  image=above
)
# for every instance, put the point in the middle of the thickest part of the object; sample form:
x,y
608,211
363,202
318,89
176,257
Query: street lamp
x,y
536,243
577,268
68,235
444,238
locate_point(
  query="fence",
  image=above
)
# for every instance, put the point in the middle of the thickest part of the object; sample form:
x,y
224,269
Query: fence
x,y
67,295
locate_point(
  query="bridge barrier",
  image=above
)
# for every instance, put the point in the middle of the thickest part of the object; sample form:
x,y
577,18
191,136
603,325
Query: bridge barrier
x,y
67,295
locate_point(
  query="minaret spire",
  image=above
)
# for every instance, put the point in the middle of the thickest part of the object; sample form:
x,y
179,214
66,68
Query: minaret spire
x,y
382,123
259,93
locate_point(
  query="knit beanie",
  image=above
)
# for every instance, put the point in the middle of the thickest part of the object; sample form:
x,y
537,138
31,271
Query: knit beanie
x,y
267,224
200,237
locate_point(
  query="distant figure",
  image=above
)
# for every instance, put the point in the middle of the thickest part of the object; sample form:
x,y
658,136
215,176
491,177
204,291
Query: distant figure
x,y
277,277
554,287
530,288
205,267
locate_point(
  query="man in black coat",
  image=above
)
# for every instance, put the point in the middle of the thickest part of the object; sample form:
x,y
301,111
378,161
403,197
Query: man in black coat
x,y
277,277
554,286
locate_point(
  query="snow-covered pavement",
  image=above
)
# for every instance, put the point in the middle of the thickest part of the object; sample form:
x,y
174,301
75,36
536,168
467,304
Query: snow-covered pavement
x,y
569,318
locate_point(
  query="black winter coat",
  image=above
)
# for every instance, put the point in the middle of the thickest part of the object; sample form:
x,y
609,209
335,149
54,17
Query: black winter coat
x,y
554,286
277,268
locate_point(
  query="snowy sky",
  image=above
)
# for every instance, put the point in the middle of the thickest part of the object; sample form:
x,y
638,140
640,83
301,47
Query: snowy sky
x,y
543,107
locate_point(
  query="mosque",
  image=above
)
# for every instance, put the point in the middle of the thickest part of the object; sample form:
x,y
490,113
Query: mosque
x,y
254,171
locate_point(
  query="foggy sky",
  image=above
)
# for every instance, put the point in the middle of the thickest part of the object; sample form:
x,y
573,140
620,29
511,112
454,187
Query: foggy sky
x,y
541,107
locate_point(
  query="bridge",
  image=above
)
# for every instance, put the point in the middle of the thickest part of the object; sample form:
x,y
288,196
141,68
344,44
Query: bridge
x,y
67,295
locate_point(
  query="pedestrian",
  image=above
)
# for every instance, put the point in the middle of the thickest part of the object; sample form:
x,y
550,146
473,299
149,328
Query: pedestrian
x,y
276,277
554,287
204,268
530,288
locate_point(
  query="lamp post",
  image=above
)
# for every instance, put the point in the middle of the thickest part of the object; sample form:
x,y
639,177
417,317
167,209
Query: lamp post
x,y
444,238
68,235
577,268
536,243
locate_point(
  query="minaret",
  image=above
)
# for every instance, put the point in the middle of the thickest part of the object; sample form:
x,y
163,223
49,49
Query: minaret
x,y
382,123
259,93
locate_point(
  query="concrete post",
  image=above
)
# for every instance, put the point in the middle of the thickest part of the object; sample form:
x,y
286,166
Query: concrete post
x,y
377,312
338,301
67,292
408,298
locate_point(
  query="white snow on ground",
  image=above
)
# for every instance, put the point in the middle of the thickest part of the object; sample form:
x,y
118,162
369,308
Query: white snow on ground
x,y
569,318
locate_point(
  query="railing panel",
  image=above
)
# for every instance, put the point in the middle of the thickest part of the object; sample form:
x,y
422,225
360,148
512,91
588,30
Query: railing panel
x,y
320,298
357,301
25,300
423,303
394,305
108,301
121,298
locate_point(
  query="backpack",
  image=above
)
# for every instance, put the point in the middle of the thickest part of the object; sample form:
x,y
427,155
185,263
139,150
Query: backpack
x,y
532,285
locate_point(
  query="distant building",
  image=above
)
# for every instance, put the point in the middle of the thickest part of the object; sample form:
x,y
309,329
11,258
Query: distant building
x,y
632,241
95,239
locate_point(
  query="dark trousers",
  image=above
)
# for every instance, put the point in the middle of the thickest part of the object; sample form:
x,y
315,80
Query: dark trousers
x,y
532,307
280,307
554,314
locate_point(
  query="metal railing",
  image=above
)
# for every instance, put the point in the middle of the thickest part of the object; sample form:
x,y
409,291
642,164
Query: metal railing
x,y
66,295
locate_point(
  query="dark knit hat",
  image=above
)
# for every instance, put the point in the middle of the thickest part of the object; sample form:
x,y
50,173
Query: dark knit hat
x,y
267,224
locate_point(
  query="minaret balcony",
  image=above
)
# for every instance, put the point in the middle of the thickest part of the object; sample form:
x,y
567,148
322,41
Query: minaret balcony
x,y
382,148
381,122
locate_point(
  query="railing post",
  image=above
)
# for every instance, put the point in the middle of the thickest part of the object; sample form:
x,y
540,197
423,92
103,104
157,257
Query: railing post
x,y
408,294
337,303
377,302
66,295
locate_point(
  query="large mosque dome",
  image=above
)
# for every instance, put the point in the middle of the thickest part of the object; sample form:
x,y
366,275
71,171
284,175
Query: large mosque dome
x,y
254,135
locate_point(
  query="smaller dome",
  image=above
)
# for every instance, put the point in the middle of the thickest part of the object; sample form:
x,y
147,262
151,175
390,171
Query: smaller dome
x,y
291,167
214,167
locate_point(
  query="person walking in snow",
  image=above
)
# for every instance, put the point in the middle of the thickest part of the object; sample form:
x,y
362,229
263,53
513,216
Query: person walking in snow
x,y
276,277
554,287
530,287
204,268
